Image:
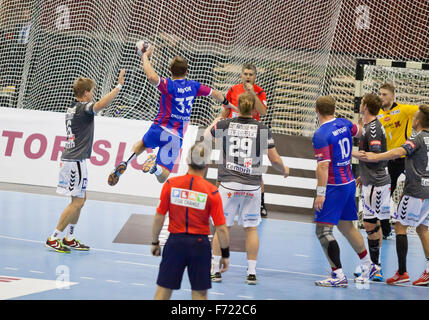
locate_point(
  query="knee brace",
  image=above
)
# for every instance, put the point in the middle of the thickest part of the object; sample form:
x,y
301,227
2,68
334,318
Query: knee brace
x,y
372,221
325,235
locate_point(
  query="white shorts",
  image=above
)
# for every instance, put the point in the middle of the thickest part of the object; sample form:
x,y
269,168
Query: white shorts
x,y
376,202
73,178
241,199
413,211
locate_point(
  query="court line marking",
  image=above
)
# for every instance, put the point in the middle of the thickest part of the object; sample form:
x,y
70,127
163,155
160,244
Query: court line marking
x,y
10,268
231,265
87,278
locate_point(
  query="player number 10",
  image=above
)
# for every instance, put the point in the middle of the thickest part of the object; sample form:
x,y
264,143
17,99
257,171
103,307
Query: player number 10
x,y
345,147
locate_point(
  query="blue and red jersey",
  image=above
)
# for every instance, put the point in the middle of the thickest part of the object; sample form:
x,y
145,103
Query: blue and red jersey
x,y
333,142
175,104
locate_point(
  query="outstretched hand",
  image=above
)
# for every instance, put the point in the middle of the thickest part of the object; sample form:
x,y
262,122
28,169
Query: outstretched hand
x,y
121,77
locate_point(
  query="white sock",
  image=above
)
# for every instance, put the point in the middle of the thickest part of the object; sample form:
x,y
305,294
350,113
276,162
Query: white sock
x,y
56,234
339,272
215,264
366,261
427,265
70,231
158,171
251,267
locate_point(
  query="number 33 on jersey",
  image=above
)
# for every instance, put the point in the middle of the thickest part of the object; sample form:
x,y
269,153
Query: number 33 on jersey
x,y
333,142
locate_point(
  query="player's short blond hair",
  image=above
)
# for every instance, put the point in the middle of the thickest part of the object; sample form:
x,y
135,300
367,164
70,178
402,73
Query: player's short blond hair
x,y
388,86
423,115
81,85
325,105
246,103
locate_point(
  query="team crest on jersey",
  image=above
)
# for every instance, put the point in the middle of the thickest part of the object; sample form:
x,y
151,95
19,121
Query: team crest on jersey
x,y
188,198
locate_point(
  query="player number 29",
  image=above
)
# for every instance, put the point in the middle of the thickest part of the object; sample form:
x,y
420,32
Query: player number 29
x,y
345,147
237,144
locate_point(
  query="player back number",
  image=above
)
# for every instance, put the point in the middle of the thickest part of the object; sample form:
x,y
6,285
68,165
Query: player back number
x,y
345,147
240,147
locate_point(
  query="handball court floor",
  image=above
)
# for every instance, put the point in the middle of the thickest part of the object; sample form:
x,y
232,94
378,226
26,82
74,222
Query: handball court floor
x,y
119,265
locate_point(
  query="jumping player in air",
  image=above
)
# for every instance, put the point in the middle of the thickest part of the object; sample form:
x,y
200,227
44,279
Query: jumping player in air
x,y
170,124
335,202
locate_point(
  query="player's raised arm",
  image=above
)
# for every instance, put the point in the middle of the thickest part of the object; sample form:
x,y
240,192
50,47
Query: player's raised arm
x,y
259,106
108,98
151,74
219,97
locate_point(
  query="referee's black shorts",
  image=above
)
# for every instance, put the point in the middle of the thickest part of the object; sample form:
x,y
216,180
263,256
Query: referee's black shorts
x,y
186,250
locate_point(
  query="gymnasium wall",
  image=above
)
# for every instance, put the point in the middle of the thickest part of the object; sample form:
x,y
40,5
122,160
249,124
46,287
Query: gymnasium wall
x,y
31,143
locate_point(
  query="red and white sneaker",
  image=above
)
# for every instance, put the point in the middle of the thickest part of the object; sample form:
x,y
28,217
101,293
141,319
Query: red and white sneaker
x,y
423,280
56,245
398,278
75,244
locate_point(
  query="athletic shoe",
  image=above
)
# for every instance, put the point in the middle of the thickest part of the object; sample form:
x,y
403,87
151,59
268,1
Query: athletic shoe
x,y
398,278
367,273
75,245
378,276
264,212
390,236
423,280
216,277
251,279
333,281
56,245
149,163
116,173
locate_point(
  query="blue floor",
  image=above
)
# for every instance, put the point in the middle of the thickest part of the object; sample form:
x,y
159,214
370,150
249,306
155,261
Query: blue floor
x,y
290,258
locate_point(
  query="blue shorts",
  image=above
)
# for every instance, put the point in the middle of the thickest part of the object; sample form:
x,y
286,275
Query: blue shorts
x,y
169,146
340,204
181,251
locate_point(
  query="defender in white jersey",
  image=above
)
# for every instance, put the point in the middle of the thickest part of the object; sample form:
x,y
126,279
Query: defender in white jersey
x,y
73,177
413,209
374,178
244,140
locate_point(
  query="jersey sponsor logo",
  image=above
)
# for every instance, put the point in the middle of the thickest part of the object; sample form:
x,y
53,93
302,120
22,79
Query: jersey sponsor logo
x,y
395,112
239,168
375,143
188,198
339,131
387,119
343,164
181,118
397,124
243,130
425,182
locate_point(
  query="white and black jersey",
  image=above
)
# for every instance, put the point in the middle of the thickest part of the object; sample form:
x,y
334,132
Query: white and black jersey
x,y
373,139
80,131
244,141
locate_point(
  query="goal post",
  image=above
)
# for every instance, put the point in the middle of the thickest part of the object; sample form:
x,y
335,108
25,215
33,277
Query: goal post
x,y
411,81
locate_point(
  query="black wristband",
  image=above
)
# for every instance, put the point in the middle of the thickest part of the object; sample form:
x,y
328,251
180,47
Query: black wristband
x,y
225,102
155,243
225,252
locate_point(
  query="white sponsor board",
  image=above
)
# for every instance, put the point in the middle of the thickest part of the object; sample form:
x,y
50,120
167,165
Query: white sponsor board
x,y
31,144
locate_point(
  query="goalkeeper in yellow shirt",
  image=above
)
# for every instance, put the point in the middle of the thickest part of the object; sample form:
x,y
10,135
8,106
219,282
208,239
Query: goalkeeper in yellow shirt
x,y
396,119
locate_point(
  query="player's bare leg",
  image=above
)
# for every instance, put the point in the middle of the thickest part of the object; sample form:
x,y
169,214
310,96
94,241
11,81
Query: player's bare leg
x,y
264,212
199,294
216,256
137,149
423,233
163,293
252,248
355,239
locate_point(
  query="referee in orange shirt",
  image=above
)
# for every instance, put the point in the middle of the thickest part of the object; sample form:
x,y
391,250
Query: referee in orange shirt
x,y
248,78
190,201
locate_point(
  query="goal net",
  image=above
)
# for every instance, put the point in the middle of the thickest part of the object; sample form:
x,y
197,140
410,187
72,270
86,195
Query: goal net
x,y
302,49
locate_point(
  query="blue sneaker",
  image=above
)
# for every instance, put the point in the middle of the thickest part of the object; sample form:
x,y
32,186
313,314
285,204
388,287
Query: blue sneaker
x,y
334,281
378,276
367,273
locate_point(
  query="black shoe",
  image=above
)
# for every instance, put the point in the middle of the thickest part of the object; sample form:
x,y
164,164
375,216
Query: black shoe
x,y
251,279
264,213
217,277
